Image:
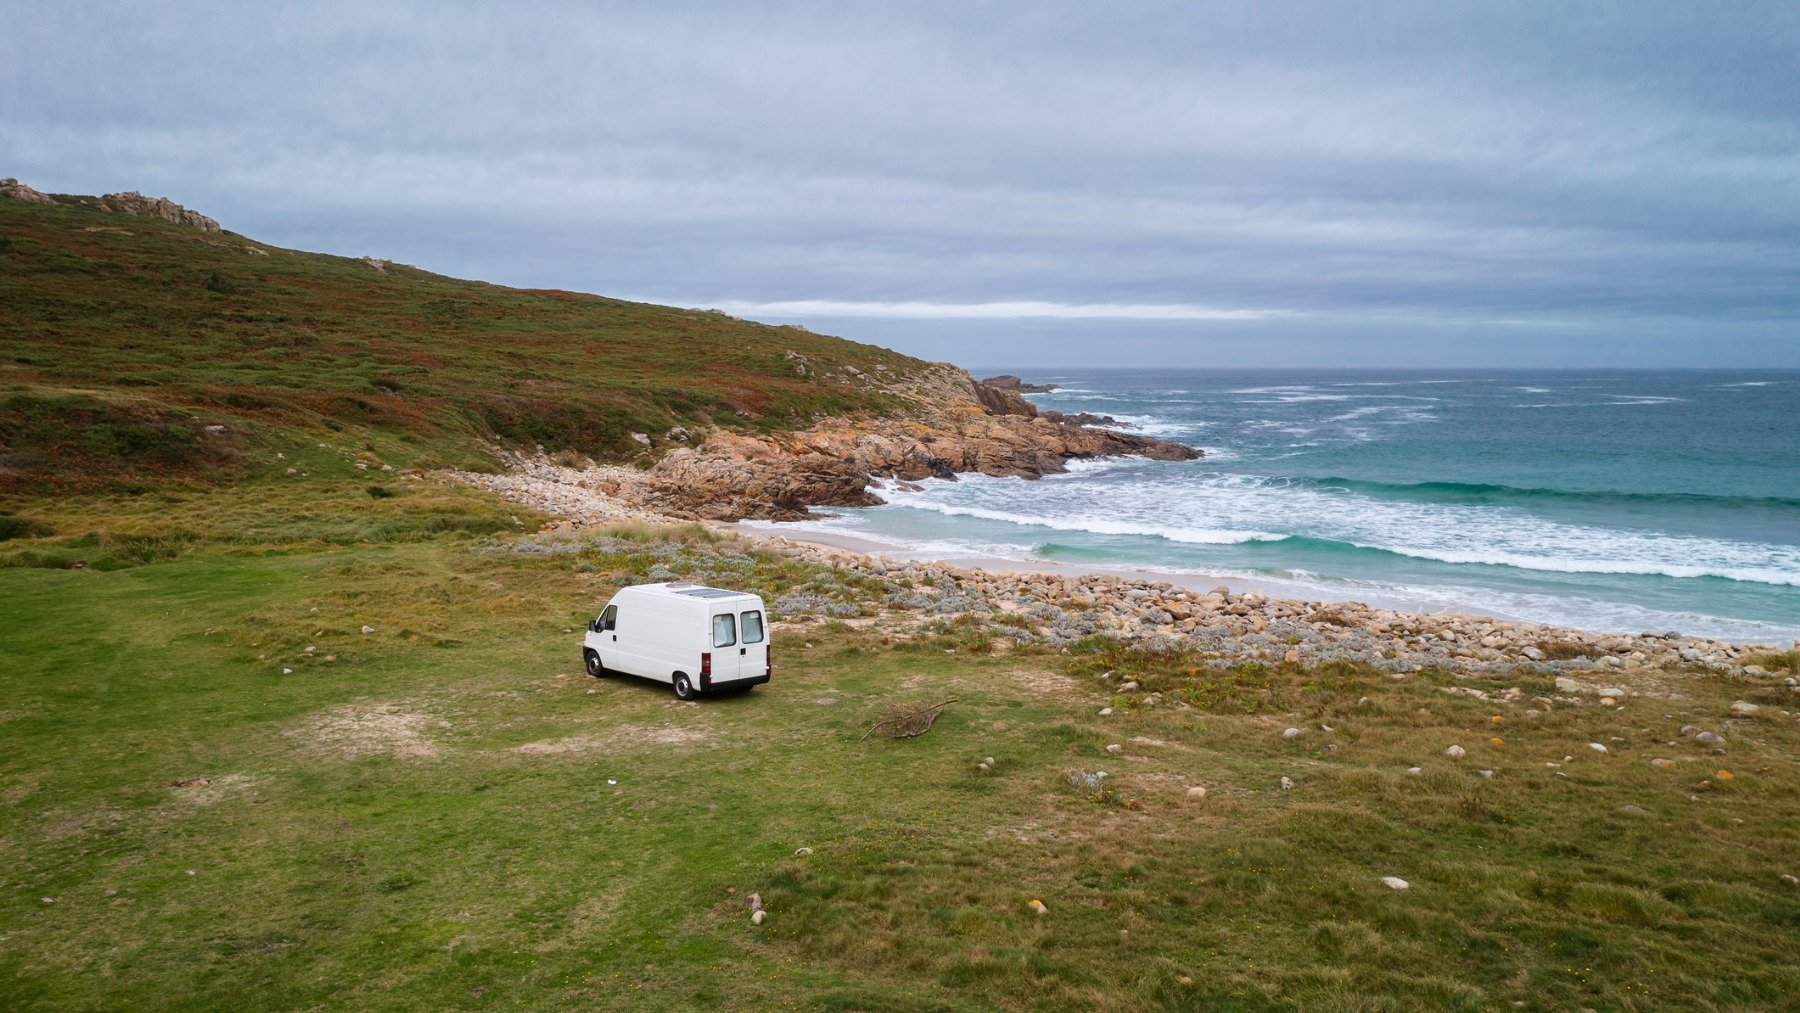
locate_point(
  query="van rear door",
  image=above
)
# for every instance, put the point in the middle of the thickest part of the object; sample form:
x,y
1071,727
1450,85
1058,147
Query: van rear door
x,y
753,644
724,647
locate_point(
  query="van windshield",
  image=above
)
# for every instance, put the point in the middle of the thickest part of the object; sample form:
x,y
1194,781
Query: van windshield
x,y
753,628
724,630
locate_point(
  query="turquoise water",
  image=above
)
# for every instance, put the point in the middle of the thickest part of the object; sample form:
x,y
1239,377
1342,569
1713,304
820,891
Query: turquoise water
x,y
1618,500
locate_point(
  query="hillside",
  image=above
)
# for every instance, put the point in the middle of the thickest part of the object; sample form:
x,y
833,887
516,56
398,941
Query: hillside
x,y
123,336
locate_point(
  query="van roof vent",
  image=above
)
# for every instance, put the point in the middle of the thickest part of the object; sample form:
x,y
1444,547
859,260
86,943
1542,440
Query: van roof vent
x,y
710,592
682,583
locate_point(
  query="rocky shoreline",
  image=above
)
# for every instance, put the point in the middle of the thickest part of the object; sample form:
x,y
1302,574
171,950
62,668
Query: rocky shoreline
x,y
1055,609
955,425
958,425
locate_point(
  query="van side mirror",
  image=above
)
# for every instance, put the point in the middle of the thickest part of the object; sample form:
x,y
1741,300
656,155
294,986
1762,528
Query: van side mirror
x,y
593,626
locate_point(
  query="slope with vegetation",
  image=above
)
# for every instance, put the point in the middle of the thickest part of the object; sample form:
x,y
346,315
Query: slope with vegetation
x,y
123,337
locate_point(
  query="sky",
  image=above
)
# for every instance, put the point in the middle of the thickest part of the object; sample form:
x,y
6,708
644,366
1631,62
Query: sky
x,y
1187,184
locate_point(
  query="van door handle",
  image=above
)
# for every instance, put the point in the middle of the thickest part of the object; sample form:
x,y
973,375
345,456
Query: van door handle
x,y
615,638
743,650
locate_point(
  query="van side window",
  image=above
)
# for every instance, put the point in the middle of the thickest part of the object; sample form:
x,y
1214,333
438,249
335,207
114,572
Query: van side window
x,y
753,628
609,620
724,631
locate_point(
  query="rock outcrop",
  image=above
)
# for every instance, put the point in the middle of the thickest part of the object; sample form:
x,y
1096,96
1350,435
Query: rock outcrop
x,y
1085,419
1007,381
731,476
15,190
128,203
133,203
952,425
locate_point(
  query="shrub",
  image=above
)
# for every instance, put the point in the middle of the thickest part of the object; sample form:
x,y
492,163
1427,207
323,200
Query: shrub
x,y
22,527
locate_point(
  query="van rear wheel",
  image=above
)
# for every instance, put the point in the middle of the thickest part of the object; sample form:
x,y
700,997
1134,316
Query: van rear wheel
x,y
595,667
684,688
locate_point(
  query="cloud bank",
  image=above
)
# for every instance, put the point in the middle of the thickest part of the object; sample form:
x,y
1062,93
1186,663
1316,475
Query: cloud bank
x,y
1182,183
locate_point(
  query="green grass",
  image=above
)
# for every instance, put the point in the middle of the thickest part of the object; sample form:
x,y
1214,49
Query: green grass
x,y
124,338
422,817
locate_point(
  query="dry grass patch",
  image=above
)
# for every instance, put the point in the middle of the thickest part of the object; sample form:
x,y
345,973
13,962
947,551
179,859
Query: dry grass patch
x,y
207,790
359,730
624,736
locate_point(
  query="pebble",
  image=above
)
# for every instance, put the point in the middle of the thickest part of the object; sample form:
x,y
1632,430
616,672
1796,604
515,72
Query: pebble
x,y
757,916
1128,687
1115,748
1037,907
1287,784
988,760
802,852
370,629
1661,762
1743,708
1395,882
1106,712
1290,733
1196,793
1415,771
1486,773
1598,747
1709,739
1456,752
287,671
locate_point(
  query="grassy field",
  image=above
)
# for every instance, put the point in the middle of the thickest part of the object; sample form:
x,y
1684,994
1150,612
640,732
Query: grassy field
x,y
123,338
446,813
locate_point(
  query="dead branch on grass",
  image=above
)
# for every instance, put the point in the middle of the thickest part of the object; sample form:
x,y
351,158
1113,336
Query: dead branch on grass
x,y
908,720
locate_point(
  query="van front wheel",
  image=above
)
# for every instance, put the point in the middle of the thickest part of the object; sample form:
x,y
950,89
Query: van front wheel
x,y
684,689
595,667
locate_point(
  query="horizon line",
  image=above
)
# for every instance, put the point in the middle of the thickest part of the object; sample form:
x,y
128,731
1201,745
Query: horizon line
x,y
996,310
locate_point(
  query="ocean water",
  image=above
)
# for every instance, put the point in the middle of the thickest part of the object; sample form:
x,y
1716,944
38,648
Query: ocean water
x,y
1607,500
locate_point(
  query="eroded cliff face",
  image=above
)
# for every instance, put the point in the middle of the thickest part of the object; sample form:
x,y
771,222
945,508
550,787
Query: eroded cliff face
x,y
957,426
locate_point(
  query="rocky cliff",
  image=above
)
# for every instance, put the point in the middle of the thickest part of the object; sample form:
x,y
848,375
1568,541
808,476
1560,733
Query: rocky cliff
x,y
956,425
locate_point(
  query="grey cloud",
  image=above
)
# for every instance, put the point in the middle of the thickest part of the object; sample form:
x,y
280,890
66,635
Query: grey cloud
x,y
1629,172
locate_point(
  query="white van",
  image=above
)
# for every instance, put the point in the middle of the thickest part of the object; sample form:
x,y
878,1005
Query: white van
x,y
698,639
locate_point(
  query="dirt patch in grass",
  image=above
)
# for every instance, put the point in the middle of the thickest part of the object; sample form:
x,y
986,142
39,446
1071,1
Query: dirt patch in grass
x,y
1046,682
207,790
624,735
357,730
